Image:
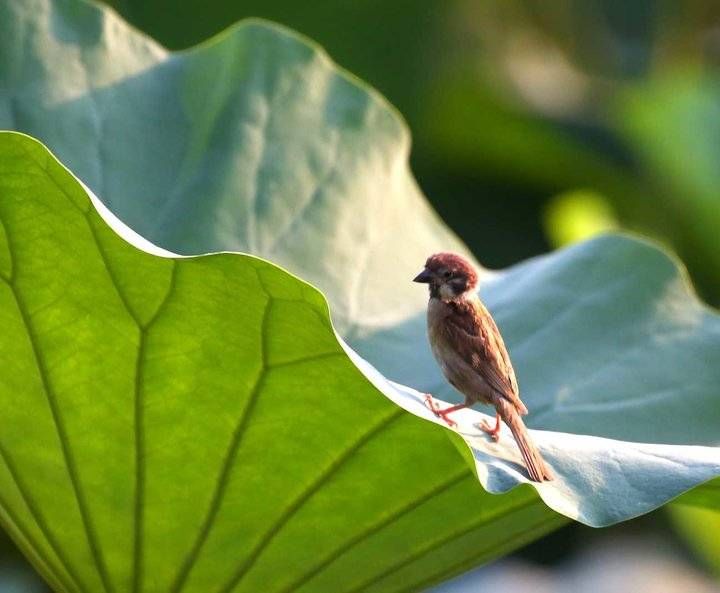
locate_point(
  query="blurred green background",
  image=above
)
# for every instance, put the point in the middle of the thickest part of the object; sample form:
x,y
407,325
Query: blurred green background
x,y
534,124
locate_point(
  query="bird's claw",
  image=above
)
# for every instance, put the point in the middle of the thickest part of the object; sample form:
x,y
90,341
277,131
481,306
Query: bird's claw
x,y
492,431
448,421
435,409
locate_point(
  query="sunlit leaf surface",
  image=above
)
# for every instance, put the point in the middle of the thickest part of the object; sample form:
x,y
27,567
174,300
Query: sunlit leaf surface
x,y
194,425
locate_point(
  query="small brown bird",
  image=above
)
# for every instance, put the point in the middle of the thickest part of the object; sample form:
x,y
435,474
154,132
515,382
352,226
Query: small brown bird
x,y
468,346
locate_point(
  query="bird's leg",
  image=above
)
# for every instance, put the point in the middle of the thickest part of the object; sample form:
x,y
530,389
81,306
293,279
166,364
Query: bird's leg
x,y
444,413
493,432
435,409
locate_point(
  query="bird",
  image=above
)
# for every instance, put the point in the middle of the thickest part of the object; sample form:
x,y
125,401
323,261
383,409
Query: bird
x,y
468,347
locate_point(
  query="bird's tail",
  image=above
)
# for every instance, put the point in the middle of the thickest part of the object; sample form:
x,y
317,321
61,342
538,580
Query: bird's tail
x,y
536,466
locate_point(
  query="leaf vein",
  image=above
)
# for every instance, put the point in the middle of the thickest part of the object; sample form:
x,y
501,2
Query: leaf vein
x,y
495,548
64,442
167,298
140,467
376,527
438,543
307,494
43,167
138,514
110,273
228,463
306,359
35,512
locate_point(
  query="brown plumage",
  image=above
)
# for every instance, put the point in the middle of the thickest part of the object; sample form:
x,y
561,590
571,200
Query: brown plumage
x,y
470,350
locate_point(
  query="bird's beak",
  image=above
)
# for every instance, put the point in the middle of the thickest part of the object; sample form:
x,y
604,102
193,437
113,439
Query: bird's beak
x,y
423,277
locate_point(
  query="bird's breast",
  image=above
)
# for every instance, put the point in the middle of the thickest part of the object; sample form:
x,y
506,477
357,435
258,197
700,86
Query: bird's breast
x,y
437,332
457,370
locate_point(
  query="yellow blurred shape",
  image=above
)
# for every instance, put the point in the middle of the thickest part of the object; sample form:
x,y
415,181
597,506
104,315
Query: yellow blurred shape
x,y
700,528
577,215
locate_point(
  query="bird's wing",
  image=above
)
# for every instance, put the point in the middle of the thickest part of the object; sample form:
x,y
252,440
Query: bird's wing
x,y
479,343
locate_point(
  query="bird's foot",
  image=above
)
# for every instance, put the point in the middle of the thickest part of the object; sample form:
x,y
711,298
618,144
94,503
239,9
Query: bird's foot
x,y
432,404
492,431
444,415
435,409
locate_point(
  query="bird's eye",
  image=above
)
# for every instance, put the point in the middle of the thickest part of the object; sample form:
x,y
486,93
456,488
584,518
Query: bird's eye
x,y
447,274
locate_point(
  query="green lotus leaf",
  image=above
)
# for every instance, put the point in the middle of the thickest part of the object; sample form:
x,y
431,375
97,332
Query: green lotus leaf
x,y
195,424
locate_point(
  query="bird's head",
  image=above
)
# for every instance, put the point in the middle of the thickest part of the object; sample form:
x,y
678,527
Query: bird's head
x,y
449,275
